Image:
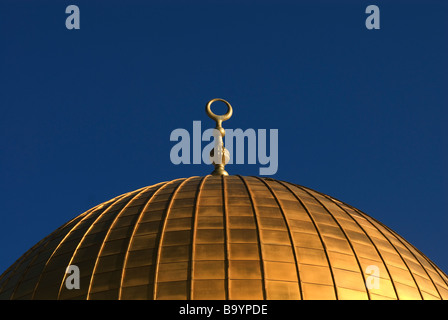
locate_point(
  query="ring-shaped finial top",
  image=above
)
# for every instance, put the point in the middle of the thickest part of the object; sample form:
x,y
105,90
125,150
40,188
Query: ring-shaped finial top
x,y
219,118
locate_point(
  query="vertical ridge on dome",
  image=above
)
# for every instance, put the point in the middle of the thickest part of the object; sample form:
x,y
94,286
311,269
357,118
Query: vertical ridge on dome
x,y
287,294
43,258
82,249
439,273
169,288
338,223
370,241
21,267
192,280
210,261
313,287
433,291
347,280
106,274
225,222
257,226
392,235
138,268
25,285
157,188
399,254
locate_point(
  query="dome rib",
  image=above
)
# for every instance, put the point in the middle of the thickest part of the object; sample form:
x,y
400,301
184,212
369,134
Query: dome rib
x,y
193,241
39,250
345,235
106,238
116,201
418,257
288,228
392,234
162,235
318,234
257,227
367,235
134,229
397,238
406,269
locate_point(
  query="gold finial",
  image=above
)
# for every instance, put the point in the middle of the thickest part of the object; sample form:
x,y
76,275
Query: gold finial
x,y
222,156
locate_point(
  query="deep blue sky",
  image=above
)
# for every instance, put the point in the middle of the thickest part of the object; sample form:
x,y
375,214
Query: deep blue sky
x,y
86,115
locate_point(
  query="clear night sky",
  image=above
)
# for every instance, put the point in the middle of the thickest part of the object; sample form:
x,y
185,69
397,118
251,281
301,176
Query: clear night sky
x,y
86,115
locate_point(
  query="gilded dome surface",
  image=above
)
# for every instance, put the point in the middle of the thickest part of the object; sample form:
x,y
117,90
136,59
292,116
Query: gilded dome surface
x,y
224,237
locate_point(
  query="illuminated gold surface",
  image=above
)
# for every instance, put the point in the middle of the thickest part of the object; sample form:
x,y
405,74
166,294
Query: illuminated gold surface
x,y
224,237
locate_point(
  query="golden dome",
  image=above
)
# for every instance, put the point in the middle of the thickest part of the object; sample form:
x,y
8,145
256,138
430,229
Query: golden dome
x,y
224,237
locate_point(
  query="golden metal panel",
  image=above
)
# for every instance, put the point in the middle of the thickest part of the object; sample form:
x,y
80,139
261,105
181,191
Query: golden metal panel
x,y
245,289
270,212
281,253
104,281
243,236
140,258
175,271
406,292
209,289
275,237
173,238
343,261
110,262
175,253
349,279
307,240
210,211
429,296
331,231
138,276
314,291
149,227
175,290
301,226
244,222
210,201
337,245
315,274
272,223
177,224
209,236
401,275
209,270
114,246
282,290
283,271
153,215
208,222
140,242
443,291
244,269
243,251
312,256
350,294
240,211
386,289
143,292
261,201
209,252
235,202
